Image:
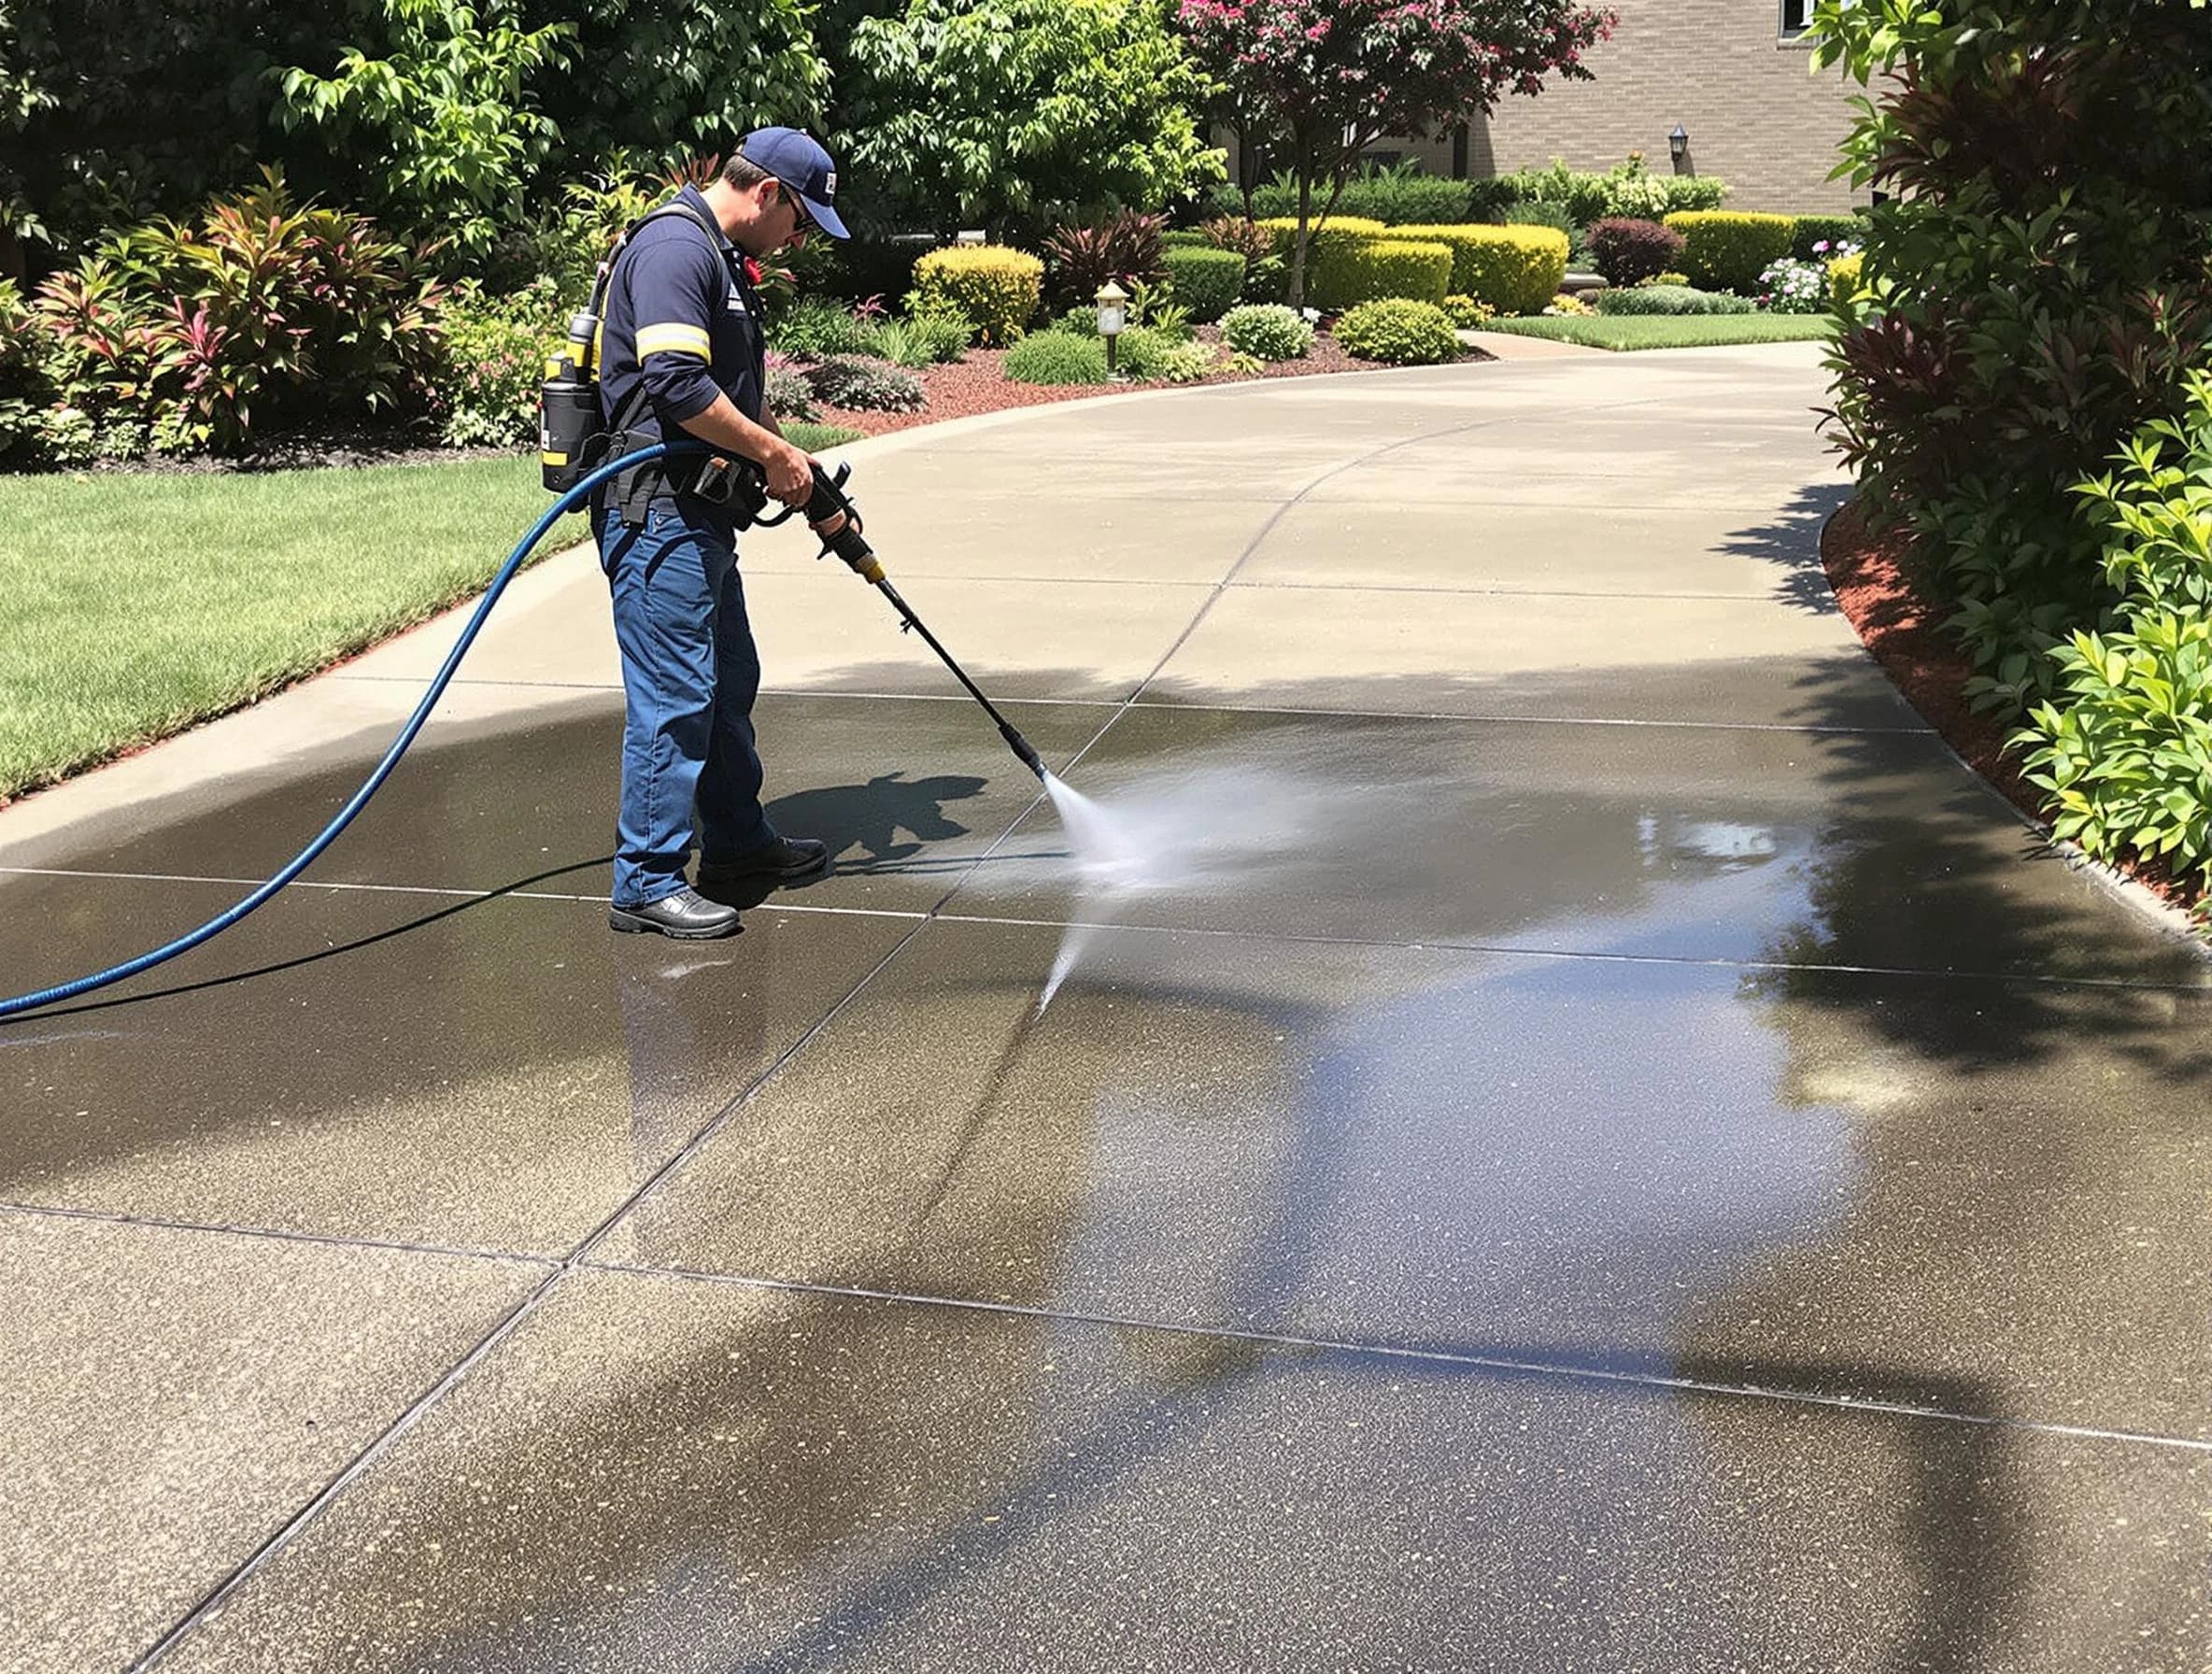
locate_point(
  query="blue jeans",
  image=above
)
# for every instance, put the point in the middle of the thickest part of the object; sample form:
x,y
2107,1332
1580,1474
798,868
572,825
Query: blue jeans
x,y
689,673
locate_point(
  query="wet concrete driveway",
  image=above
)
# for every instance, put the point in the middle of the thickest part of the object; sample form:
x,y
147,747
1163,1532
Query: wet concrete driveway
x,y
1598,1147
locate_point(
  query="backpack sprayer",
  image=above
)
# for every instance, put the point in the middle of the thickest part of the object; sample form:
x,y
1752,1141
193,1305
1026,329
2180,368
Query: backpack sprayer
x,y
574,442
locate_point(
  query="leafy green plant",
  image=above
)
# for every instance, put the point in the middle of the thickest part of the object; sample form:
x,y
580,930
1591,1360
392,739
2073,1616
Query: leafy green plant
x,y
1207,280
1724,250
787,393
447,108
865,386
813,330
1160,357
1056,358
1811,232
993,289
1155,306
1267,329
1399,332
1515,269
1670,299
1014,114
1391,194
1624,190
1468,313
496,349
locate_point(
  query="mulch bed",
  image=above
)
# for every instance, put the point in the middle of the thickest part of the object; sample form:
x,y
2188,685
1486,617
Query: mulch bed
x,y
976,385
1869,577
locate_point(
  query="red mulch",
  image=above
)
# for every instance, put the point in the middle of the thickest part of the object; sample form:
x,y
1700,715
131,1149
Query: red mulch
x,y
1869,579
976,385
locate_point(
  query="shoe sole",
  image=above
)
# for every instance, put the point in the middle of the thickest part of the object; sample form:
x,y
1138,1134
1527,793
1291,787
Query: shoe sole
x,y
630,925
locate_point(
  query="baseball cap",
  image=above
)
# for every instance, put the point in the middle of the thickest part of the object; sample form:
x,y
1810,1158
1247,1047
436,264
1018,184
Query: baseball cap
x,y
801,163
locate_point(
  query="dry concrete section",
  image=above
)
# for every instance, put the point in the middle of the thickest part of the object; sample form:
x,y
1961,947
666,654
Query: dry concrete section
x,y
1570,1135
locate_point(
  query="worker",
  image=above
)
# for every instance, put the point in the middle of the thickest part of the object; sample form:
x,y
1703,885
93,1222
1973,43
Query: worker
x,y
683,355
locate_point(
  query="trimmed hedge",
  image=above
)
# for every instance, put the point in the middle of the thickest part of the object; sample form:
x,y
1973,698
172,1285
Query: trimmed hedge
x,y
1628,250
1056,358
994,287
1516,269
1830,229
1207,280
1333,256
1670,299
1726,250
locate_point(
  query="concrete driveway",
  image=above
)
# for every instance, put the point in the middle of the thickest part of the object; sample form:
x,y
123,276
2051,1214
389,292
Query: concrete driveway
x,y
1602,1147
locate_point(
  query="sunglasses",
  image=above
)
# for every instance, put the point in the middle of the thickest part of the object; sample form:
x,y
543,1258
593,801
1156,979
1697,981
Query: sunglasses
x,y
807,221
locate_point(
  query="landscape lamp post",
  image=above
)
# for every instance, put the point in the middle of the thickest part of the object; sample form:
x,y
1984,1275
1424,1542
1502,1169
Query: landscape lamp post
x,y
1111,299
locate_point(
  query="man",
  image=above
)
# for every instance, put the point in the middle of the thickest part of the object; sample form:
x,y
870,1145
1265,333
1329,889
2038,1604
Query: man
x,y
683,355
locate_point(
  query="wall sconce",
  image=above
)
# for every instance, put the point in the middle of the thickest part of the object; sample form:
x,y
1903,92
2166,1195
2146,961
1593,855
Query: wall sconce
x,y
1677,147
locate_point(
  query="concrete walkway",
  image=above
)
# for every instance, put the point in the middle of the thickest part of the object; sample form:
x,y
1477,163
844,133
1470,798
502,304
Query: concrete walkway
x,y
1606,1150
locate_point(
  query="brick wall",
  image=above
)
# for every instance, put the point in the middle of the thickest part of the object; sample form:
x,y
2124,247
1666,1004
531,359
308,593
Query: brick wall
x,y
1754,114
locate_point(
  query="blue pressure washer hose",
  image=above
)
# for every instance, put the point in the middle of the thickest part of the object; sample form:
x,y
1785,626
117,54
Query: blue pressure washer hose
x,y
305,857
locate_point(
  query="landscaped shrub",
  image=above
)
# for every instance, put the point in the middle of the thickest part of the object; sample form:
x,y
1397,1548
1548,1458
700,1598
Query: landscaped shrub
x,y
1813,230
1670,299
1468,313
865,386
814,329
790,396
993,287
1628,189
1056,358
1398,331
1335,255
1845,288
1567,305
1394,195
2126,751
1628,252
1207,280
496,349
2037,286
1264,272
1723,251
1267,329
1080,259
1419,270
924,340
1184,238
1160,356
176,337
1513,269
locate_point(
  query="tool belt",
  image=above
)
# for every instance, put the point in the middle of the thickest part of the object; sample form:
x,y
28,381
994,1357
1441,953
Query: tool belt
x,y
713,480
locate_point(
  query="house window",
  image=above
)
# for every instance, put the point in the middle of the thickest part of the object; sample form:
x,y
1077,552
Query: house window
x,y
1796,17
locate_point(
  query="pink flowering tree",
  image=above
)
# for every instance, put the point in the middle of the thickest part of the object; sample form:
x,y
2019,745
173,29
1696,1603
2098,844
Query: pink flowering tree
x,y
1327,78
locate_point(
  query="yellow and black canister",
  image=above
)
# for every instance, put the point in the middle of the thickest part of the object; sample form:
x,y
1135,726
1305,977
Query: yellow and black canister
x,y
568,407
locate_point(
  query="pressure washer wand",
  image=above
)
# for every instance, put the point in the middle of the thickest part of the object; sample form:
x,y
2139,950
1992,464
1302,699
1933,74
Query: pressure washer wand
x,y
833,518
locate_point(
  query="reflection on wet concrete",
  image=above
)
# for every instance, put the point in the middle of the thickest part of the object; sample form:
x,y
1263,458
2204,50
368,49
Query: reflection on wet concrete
x,y
683,1476
1589,1163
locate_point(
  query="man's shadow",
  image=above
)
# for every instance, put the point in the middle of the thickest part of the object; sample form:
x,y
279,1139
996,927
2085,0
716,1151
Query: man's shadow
x,y
861,823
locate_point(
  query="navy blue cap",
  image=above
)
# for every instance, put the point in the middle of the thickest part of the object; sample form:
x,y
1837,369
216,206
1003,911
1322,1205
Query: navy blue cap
x,y
800,163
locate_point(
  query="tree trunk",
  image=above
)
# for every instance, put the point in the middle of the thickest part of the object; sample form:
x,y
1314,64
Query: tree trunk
x,y
1298,246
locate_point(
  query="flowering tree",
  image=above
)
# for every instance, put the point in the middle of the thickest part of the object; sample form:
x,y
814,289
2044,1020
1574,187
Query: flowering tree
x,y
1330,77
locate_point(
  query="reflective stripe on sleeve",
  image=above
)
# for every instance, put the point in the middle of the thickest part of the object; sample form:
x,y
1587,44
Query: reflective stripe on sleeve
x,y
674,339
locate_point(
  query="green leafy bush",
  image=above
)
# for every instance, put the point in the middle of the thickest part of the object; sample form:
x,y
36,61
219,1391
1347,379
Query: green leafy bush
x,y
1670,299
2038,288
25,392
1420,271
2126,749
1626,188
930,340
1056,358
1265,272
995,289
812,329
496,349
865,386
1515,269
1161,357
1401,332
1207,280
1846,288
1628,250
1392,194
1335,255
1267,329
1723,251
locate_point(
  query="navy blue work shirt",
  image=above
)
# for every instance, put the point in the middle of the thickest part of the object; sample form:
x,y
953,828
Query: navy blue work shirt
x,y
682,324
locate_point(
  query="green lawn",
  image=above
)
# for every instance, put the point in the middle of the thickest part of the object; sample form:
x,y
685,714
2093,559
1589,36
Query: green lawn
x,y
1670,330
132,606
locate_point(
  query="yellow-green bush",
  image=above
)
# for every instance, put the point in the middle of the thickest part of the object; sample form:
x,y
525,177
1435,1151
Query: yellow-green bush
x,y
1403,267
1516,269
1727,250
1843,277
995,288
1332,255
